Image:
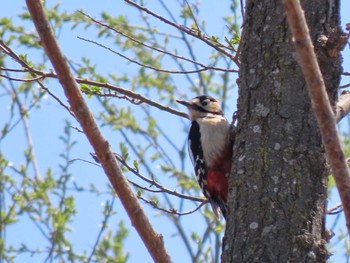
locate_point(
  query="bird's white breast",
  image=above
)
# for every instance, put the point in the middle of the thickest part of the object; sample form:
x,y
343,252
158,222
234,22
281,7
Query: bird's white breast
x,y
214,137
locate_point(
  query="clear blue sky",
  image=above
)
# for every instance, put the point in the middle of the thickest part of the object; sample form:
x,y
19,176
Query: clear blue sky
x,y
47,126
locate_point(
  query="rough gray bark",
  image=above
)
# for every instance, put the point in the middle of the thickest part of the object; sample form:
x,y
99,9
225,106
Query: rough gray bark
x,y
278,185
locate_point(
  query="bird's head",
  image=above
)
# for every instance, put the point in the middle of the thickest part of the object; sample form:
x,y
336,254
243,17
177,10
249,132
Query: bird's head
x,y
202,106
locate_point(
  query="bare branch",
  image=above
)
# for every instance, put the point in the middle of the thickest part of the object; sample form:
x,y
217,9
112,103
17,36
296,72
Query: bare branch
x,y
338,208
192,14
108,213
196,34
20,79
343,106
344,86
173,211
147,66
155,183
29,69
12,54
242,9
320,101
22,110
133,97
152,182
11,69
152,240
204,67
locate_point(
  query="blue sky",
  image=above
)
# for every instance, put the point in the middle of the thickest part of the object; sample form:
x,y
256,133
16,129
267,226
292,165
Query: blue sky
x,y
47,126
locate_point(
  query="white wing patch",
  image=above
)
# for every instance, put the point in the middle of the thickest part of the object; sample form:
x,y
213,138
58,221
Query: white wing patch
x,y
190,152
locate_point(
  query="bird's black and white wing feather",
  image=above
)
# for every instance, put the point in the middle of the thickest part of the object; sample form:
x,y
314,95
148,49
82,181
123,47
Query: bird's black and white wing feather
x,y
196,154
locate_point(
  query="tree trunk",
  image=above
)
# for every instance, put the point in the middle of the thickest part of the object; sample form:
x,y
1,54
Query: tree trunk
x,y
278,185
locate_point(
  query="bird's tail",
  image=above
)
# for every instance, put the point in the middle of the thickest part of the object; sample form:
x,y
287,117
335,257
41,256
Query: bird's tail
x,y
219,206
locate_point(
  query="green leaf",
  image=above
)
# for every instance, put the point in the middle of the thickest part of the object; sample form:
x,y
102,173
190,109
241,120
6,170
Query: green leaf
x,y
136,165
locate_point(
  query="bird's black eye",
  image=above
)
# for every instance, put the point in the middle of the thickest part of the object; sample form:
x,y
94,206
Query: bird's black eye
x,y
205,102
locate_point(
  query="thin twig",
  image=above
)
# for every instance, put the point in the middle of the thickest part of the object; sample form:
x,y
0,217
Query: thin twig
x,y
12,69
343,106
152,182
29,69
320,102
189,47
173,211
193,17
107,214
136,97
23,113
204,67
242,9
188,31
338,208
21,79
344,86
151,67
158,185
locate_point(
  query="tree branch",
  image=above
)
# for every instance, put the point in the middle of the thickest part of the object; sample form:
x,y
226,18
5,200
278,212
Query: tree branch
x,y
343,106
205,68
195,33
320,101
152,182
155,183
153,241
152,47
132,96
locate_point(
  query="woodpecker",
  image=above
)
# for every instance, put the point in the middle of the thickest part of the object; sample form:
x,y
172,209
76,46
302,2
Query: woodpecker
x,y
210,149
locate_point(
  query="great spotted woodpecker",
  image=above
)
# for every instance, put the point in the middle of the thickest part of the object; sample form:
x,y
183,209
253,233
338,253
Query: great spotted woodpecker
x,y
210,149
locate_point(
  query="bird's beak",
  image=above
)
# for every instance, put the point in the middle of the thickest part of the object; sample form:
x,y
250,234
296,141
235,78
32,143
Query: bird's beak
x,y
186,103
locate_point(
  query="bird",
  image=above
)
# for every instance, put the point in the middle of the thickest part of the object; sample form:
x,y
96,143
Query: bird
x,y
210,149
